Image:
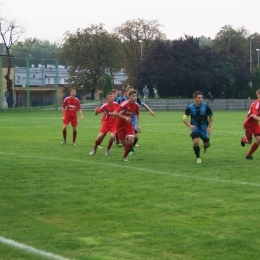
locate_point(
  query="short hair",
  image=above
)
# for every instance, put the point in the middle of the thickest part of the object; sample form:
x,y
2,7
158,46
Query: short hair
x,y
108,94
258,92
72,88
113,91
132,92
195,94
129,88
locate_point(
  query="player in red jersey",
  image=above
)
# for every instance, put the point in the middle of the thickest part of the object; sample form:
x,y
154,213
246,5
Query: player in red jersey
x,y
125,128
108,123
70,106
251,127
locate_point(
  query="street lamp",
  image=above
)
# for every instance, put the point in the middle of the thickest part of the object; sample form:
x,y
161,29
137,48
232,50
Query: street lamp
x,y
258,56
141,42
251,59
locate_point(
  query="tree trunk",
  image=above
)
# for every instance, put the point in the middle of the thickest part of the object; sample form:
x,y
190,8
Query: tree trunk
x,y
9,83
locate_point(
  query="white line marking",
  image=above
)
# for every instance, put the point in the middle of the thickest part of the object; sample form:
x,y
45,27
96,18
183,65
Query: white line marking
x,y
141,169
30,249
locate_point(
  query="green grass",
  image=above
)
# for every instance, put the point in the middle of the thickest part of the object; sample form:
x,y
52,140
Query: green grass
x,y
160,205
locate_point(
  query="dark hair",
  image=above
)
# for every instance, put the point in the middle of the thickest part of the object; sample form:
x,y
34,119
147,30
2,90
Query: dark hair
x,y
195,94
132,92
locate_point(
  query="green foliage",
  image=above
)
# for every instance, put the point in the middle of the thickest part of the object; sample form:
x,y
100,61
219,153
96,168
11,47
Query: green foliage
x,y
160,205
107,85
89,53
204,41
256,80
35,49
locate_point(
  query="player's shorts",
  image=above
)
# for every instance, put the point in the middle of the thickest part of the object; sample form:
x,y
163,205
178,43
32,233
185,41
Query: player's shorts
x,y
200,134
125,130
69,119
251,130
106,128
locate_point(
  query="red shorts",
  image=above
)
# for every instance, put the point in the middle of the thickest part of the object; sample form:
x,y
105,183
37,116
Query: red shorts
x,y
125,130
71,119
105,128
251,130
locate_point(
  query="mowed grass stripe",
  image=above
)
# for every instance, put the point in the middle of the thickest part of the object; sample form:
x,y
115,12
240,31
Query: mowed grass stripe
x,y
236,182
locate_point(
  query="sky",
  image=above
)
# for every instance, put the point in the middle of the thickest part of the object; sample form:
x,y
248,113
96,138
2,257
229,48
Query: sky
x,y
50,19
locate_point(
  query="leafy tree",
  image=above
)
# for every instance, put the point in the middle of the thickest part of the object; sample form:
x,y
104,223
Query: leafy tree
x,y
129,34
10,32
204,41
256,81
107,85
90,53
35,49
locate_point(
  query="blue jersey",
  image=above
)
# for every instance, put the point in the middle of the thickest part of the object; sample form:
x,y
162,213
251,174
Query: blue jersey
x,y
199,115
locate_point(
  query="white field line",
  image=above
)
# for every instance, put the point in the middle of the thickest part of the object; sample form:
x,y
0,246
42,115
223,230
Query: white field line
x,y
123,165
30,249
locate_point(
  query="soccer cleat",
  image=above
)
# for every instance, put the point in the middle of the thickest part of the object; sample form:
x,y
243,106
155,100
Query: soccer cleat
x,y
133,148
125,160
249,157
198,160
131,153
107,152
243,143
92,152
136,145
63,142
119,145
74,143
100,146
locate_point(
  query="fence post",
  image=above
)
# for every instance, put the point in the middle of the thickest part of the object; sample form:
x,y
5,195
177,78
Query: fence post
x,y
1,83
167,104
56,85
27,85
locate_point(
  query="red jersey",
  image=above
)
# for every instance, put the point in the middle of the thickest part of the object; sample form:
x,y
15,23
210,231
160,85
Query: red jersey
x,y
108,110
71,105
253,110
127,109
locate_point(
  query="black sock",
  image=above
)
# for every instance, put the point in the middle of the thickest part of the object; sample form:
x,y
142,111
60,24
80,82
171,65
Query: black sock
x,y
197,151
135,141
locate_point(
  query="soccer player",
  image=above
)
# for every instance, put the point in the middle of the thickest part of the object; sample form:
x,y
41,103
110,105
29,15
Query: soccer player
x,y
108,123
70,106
125,127
200,123
251,127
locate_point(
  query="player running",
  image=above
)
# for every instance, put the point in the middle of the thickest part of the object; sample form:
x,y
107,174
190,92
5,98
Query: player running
x,y
200,124
108,123
125,127
251,127
70,106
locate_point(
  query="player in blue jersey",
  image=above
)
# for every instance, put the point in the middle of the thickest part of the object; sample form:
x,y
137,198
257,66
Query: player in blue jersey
x,y
200,123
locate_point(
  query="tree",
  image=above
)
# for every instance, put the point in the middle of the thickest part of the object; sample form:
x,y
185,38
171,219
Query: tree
x,y
204,41
34,49
129,34
10,32
107,85
256,81
90,53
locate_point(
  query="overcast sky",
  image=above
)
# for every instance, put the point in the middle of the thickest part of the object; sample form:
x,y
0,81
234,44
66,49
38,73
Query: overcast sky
x,y
49,19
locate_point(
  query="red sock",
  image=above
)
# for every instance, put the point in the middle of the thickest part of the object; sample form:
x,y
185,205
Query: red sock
x,y
74,136
244,139
110,144
253,149
64,133
117,139
128,149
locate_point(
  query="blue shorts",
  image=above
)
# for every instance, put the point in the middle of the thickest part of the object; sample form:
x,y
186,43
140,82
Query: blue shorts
x,y
200,134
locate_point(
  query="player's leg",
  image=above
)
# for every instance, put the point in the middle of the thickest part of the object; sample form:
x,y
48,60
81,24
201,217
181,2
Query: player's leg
x,y
255,145
196,148
205,138
111,140
247,139
74,124
130,135
98,140
64,132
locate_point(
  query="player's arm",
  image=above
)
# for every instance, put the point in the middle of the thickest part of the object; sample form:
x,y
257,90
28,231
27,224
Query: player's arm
x,y
127,118
81,114
257,118
185,119
149,109
63,113
98,110
209,125
138,123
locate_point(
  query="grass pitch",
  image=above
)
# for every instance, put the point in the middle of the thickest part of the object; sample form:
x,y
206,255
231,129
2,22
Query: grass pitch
x,y
160,205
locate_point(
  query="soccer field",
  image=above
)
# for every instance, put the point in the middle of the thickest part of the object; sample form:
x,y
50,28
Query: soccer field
x,y
57,202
